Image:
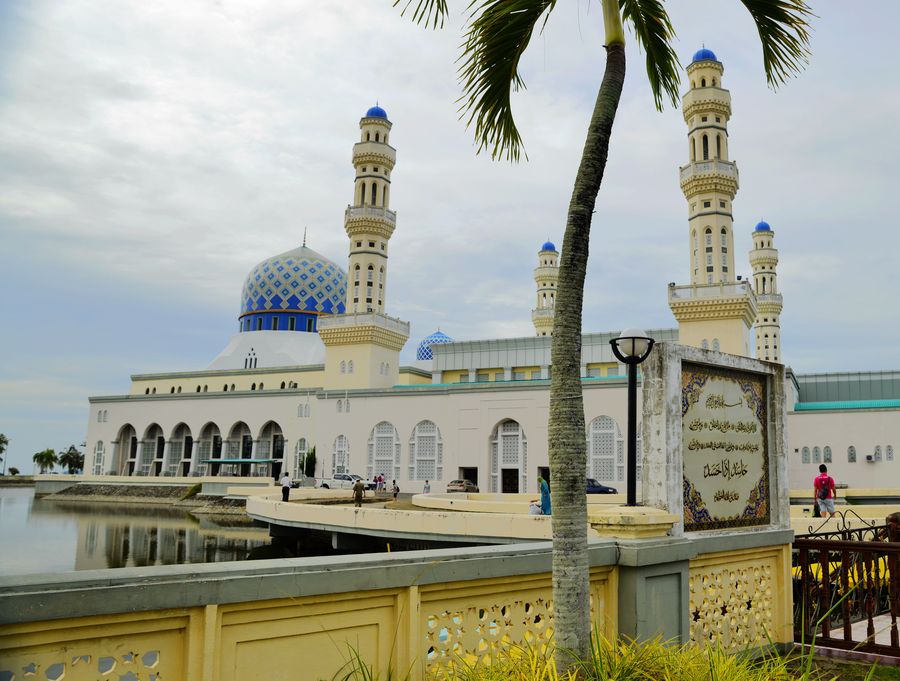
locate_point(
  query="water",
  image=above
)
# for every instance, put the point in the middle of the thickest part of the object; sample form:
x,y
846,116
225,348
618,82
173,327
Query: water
x,y
41,535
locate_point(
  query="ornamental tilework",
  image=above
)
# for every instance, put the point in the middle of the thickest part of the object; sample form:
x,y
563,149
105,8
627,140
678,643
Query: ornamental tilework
x,y
300,279
424,352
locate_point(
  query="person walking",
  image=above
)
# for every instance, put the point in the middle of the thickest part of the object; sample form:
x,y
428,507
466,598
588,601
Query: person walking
x,y
426,489
545,496
395,488
285,486
824,492
359,491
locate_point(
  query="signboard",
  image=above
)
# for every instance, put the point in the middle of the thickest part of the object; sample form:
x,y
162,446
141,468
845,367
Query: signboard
x,y
724,416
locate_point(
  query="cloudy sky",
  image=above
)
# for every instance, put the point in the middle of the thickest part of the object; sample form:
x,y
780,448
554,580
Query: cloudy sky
x,y
152,153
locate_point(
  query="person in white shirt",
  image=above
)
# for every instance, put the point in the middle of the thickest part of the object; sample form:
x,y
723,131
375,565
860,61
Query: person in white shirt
x,y
427,488
285,486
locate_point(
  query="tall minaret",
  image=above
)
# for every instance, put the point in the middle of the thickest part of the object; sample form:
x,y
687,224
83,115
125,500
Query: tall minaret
x,y
546,276
764,261
368,220
715,311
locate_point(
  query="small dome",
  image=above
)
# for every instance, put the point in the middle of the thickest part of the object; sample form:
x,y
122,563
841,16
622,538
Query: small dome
x,y
548,246
704,55
299,280
762,226
377,112
424,349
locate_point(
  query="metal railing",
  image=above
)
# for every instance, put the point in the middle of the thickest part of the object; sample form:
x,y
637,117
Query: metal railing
x,y
711,166
371,212
723,290
365,319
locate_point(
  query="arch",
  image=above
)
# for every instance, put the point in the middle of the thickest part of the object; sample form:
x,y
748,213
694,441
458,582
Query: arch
x,y
340,455
718,146
301,449
198,388
816,455
377,137
383,450
703,82
826,454
705,147
153,444
889,453
153,391
693,149
426,452
343,367
269,445
877,453
705,344
350,367
209,446
804,455
508,451
368,137
124,456
606,450
714,81
347,405
253,386
374,192
851,454
362,194
708,234
238,445
181,446
715,344
97,468
283,385
340,406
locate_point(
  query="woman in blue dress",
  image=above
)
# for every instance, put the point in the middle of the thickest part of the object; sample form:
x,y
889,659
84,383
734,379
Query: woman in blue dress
x,y
545,496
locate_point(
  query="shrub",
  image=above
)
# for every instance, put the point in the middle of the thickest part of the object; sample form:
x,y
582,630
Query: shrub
x,y
192,491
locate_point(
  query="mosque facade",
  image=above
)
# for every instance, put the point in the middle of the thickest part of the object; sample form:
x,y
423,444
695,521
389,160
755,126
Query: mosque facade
x,y
315,362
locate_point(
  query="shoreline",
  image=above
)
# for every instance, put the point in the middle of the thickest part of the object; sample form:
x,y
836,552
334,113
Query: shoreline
x,y
157,495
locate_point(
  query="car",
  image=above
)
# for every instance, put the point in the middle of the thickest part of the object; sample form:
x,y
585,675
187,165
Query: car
x,y
462,486
594,487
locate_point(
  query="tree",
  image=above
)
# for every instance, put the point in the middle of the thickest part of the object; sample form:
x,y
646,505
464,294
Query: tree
x,y
45,459
309,465
497,33
72,459
4,442
13,470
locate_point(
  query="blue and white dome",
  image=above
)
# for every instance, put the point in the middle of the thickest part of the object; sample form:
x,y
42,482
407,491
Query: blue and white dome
x,y
288,292
762,226
548,246
424,349
704,54
376,112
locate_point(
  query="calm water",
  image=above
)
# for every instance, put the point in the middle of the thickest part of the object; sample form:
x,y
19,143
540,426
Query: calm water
x,y
39,535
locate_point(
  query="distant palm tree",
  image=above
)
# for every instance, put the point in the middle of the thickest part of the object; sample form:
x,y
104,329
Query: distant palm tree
x,y
4,442
497,33
71,459
45,459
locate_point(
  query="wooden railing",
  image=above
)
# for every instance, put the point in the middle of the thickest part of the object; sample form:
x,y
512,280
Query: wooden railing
x,y
846,583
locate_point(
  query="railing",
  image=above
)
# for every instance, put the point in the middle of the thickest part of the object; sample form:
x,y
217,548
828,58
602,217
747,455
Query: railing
x,y
543,312
371,212
695,291
365,319
712,166
846,583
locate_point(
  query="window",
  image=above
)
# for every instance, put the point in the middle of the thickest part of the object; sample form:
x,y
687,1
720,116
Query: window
x,y
300,452
340,406
709,259
715,344
817,455
100,416
340,455
292,323
718,146
827,455
724,238
508,449
851,454
383,450
482,377
705,344
343,369
804,455
309,324
877,454
889,451
98,458
274,323
721,204
347,406
253,387
425,452
705,148
350,367
605,449
708,236
259,323
707,204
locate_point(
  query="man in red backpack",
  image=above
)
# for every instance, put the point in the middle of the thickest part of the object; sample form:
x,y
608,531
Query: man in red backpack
x,y
823,491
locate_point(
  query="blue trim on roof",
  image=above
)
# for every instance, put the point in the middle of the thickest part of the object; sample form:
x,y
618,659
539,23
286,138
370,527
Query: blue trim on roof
x,y
847,404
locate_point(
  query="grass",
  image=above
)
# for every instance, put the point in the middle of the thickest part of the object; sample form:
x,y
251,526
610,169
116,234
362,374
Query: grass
x,y
192,491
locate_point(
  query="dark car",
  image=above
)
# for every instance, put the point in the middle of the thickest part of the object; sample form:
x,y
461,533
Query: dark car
x,y
594,487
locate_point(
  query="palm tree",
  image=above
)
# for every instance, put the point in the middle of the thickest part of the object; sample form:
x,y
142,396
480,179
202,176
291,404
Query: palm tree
x,y
71,459
45,459
4,442
497,33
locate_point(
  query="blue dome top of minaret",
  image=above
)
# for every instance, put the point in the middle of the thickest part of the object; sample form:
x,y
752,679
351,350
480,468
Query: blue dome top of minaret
x,y
424,352
376,112
548,246
704,54
762,226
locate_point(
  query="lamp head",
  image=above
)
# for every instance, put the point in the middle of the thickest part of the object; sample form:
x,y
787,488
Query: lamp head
x,y
633,342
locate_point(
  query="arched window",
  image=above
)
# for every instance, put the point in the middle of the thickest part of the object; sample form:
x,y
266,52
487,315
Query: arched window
x,y
851,454
804,455
340,455
703,82
368,137
198,388
343,367
225,388
705,344
232,387
283,385
889,453
300,452
606,450
715,344
370,274
350,367
172,390
509,449
306,411
426,452
260,386
178,390
105,415
253,387
98,458
384,451
705,148
347,405
99,416
356,273
362,195
827,454
718,146
877,456
153,391
713,82
708,236
377,137
817,455
340,406
723,238
693,149
374,190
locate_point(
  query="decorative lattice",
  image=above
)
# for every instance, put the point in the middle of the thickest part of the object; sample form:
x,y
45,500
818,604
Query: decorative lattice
x,y
341,454
131,666
605,446
732,606
478,632
384,450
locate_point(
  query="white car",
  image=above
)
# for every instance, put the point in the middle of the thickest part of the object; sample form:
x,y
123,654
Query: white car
x,y
343,481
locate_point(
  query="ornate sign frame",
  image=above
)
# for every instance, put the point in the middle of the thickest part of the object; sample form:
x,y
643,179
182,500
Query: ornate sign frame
x,y
742,440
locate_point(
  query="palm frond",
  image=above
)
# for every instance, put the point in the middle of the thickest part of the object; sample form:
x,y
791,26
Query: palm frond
x,y
654,33
426,12
498,34
784,33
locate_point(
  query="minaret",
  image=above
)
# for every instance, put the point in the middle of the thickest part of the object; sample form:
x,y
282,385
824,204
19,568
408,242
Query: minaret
x,y
362,347
368,220
764,261
716,310
546,276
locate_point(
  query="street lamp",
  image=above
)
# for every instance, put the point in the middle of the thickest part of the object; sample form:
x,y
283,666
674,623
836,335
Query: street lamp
x,y
632,347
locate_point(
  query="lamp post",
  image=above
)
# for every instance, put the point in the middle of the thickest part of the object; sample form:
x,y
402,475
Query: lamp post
x,y
632,347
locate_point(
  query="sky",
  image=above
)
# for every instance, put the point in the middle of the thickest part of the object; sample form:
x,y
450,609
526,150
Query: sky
x,y
152,153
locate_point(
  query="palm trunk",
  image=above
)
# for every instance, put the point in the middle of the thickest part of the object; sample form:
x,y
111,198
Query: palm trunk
x,y
567,441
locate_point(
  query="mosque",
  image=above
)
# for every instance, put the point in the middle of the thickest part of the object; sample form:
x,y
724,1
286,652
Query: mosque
x,y
315,363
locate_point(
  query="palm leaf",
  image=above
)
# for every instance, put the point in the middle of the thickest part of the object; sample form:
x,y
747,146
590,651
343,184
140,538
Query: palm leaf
x,y
426,11
784,33
499,32
654,33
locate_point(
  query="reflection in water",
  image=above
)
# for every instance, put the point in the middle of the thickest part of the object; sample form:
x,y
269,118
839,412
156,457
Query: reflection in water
x,y
124,536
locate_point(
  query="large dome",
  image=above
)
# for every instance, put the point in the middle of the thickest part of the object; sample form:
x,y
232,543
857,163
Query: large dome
x,y
424,352
287,292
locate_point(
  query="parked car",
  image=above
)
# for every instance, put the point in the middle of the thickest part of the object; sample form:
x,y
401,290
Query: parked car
x,y
594,487
343,481
462,486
